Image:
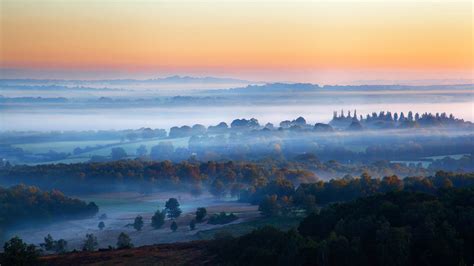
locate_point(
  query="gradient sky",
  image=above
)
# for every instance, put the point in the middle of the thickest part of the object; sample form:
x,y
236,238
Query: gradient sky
x,y
319,41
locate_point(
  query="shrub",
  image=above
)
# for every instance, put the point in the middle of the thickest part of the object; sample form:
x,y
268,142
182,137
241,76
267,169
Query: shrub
x,y
124,241
222,218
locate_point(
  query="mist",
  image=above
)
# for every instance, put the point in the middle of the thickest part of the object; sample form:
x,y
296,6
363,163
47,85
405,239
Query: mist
x,y
128,146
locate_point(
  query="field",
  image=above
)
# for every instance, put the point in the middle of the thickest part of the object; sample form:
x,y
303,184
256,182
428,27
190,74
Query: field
x,y
68,147
61,146
121,210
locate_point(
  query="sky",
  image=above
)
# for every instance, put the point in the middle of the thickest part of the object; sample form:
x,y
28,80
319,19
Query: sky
x,y
287,40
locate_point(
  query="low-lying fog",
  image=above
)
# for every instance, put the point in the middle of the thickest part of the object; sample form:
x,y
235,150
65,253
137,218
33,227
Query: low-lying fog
x,y
121,210
46,119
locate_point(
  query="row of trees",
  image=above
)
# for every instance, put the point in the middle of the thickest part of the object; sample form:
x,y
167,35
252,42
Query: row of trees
x,y
279,197
172,211
220,178
387,116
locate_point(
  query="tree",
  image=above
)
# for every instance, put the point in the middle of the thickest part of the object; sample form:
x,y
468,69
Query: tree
x,y
48,244
142,151
101,225
77,151
60,246
164,150
124,241
16,252
393,245
138,223
158,219
200,214
174,226
192,224
172,208
90,244
118,153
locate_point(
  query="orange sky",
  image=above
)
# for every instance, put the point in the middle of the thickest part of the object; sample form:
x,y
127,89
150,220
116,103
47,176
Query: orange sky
x,y
299,40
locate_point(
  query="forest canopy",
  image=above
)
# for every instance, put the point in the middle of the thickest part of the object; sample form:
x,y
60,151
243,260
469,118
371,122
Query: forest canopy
x,y
396,228
25,204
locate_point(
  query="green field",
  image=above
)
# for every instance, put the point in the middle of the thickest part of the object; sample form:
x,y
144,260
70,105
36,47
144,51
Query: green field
x,y
68,146
131,147
61,146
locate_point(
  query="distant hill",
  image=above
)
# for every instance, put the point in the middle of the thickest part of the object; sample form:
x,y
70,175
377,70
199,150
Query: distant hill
x,y
170,79
284,88
272,88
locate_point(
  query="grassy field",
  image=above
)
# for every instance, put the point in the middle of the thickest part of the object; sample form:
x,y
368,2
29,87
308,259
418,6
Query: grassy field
x,y
282,223
131,147
61,146
68,146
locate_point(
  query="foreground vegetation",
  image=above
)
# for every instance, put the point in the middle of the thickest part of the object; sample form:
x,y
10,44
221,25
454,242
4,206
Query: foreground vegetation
x,y
397,228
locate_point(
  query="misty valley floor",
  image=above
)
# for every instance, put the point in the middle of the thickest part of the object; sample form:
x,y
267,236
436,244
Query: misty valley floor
x,y
122,208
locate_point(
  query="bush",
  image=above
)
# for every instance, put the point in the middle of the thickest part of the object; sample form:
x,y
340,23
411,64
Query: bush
x,y
124,241
222,218
200,214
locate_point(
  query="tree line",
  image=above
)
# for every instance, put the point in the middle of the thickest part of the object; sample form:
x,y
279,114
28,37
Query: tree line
x,y
220,178
25,204
280,197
